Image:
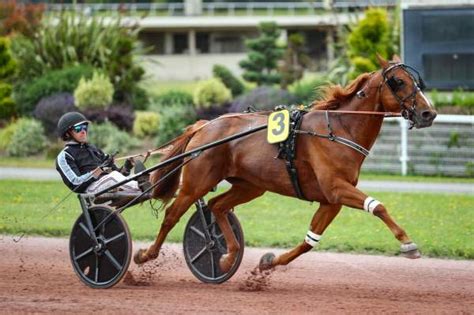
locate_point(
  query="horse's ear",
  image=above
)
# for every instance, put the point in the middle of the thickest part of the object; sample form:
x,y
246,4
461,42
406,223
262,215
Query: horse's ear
x,y
382,62
396,58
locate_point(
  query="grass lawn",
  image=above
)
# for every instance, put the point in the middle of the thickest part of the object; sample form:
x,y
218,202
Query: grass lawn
x,y
442,225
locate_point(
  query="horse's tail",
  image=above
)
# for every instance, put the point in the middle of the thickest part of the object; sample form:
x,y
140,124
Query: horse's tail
x,y
166,190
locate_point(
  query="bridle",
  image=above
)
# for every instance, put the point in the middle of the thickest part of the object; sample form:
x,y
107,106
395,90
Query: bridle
x,y
395,84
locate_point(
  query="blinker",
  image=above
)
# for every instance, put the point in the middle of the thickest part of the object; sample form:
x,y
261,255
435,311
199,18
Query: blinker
x,y
394,84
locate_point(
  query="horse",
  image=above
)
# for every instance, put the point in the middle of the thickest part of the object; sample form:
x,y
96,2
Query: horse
x,y
328,170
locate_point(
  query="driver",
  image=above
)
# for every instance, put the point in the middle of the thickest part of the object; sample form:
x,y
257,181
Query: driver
x,y
82,166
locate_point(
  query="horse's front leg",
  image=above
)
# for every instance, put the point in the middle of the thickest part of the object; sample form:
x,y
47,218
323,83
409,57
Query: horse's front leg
x,y
321,220
346,194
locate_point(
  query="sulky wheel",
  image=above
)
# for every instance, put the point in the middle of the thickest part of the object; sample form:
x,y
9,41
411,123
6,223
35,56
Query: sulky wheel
x,y
100,266
204,244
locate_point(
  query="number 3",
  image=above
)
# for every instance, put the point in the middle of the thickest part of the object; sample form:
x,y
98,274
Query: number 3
x,y
278,126
279,118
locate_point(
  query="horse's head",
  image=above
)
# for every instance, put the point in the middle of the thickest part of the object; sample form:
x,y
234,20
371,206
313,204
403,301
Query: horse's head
x,y
402,91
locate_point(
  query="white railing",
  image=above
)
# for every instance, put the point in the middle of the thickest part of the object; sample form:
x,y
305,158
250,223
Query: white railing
x,y
212,8
446,148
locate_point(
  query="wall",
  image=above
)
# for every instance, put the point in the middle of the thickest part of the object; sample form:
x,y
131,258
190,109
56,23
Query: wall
x,y
188,68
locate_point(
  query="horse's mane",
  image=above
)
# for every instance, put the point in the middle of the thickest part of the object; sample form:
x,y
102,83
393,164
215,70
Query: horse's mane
x,y
336,95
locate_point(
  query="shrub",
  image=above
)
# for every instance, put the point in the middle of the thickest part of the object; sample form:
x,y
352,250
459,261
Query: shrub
x,y
27,139
230,81
172,98
211,92
440,99
7,104
8,67
78,38
306,91
462,98
110,139
120,115
173,120
262,98
138,99
212,112
65,80
54,149
20,17
6,135
51,108
371,35
145,124
95,93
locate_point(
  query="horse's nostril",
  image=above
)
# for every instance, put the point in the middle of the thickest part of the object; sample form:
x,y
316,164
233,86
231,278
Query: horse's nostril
x,y
428,115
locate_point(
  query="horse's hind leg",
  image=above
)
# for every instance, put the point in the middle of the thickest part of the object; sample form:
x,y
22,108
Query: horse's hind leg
x,y
172,215
321,220
239,193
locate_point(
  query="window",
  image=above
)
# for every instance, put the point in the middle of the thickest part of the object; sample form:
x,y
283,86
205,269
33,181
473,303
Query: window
x,y
154,42
449,67
447,28
202,42
180,43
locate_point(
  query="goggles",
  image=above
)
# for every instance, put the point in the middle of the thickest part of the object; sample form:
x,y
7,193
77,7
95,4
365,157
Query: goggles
x,y
79,128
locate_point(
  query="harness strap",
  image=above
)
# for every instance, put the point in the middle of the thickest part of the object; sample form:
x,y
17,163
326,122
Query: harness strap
x,y
287,151
331,136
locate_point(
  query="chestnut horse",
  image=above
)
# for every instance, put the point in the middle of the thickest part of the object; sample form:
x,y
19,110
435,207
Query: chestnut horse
x,y
328,171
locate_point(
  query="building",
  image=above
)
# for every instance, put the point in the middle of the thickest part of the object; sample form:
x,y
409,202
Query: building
x,y
188,38
438,40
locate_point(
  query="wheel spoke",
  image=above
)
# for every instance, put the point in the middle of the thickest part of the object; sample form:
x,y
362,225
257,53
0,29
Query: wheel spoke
x,y
198,232
202,251
96,278
85,229
213,266
107,241
112,259
85,253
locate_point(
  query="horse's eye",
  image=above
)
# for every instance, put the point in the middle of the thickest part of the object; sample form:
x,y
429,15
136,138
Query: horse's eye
x,y
400,82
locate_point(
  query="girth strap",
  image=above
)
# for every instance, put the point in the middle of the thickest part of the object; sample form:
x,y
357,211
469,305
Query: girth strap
x,y
287,150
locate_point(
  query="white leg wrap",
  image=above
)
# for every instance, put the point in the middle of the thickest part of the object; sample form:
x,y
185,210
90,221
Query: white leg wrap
x,y
408,247
370,204
312,239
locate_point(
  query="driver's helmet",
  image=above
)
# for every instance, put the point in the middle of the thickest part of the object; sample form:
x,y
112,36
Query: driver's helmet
x,y
69,120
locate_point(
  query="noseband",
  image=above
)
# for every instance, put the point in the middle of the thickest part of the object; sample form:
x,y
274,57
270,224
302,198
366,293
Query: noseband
x,y
396,84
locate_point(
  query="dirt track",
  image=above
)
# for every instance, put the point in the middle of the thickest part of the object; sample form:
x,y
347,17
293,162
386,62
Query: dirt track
x,y
36,277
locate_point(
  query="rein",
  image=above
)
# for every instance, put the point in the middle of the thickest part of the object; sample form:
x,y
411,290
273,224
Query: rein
x,y
331,136
385,114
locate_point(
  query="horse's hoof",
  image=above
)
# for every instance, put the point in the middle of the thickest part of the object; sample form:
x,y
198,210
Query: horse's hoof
x,y
138,258
410,250
266,262
224,263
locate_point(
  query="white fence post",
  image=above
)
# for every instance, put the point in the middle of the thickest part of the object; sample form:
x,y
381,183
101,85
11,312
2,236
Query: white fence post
x,y
404,145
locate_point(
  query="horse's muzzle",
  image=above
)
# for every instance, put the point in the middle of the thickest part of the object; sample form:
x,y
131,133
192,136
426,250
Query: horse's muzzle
x,y
424,119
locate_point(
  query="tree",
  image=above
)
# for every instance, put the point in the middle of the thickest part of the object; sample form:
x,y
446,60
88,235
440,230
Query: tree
x,y
295,61
261,63
370,36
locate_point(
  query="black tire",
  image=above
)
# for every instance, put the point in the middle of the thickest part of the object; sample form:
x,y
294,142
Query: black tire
x,y
100,268
202,256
